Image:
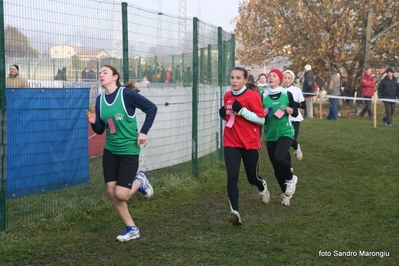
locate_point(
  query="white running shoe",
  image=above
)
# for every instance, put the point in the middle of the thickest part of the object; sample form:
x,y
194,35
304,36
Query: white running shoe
x,y
129,234
235,218
286,200
146,189
298,153
291,185
264,195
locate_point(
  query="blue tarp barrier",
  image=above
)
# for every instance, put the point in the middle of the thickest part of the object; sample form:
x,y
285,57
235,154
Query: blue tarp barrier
x,y
47,144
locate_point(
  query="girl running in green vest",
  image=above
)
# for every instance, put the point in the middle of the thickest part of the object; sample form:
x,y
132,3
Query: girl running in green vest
x,y
279,132
115,113
263,87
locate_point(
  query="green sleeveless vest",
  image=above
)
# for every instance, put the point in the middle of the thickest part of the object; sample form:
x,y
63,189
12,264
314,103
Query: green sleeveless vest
x,y
124,141
277,127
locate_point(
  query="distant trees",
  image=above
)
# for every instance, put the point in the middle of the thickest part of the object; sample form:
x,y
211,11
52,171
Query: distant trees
x,y
327,34
17,44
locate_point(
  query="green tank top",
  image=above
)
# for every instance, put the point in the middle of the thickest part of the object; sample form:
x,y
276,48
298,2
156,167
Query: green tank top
x,y
124,140
275,127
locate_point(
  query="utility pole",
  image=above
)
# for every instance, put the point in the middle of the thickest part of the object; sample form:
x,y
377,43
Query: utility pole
x,y
368,35
181,37
159,35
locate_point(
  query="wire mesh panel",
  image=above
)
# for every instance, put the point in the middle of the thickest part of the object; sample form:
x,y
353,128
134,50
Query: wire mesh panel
x,y
181,66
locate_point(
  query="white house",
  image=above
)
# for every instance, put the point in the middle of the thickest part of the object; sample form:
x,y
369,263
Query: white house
x,y
62,51
90,54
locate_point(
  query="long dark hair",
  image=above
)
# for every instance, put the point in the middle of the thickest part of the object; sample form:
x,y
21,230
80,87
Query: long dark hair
x,y
130,85
244,71
114,72
251,86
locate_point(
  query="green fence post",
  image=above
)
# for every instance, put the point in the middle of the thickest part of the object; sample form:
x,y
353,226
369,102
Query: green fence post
x,y
173,68
156,68
77,65
97,67
29,69
202,65
125,44
233,51
3,105
182,67
54,70
140,69
209,65
220,84
194,156
225,80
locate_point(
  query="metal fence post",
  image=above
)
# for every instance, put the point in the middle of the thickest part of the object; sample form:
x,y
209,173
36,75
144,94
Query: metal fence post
x,y
125,41
3,105
220,84
209,65
194,155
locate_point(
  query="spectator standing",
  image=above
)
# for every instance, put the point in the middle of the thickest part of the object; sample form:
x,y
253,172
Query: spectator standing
x,y
85,74
342,92
157,74
132,73
145,81
163,75
244,113
59,75
176,75
187,77
64,74
14,80
388,89
169,75
250,77
148,73
92,74
139,72
308,87
334,89
367,84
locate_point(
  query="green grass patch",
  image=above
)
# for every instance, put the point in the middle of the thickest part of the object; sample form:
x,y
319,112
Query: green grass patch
x,y
346,201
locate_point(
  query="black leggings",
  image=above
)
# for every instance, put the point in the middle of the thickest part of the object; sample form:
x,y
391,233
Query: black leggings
x,y
294,144
389,110
277,154
232,158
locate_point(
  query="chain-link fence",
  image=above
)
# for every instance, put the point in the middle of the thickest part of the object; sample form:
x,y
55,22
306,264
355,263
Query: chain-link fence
x,y
54,50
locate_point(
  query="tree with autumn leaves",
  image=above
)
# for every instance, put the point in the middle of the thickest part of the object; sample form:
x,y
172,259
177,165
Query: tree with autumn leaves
x,y
17,44
326,34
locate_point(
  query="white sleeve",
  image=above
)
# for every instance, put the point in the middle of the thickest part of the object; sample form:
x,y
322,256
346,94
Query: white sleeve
x,y
251,116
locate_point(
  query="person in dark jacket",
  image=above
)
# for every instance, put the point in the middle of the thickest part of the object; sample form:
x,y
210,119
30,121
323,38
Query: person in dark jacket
x,y
308,87
92,75
367,83
334,89
163,75
187,77
176,75
64,74
59,75
85,73
388,89
250,77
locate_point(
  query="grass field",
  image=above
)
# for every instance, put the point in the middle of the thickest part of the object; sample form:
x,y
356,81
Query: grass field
x,y
347,201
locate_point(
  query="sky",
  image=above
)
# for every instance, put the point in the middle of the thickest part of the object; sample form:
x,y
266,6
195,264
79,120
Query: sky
x,y
215,12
